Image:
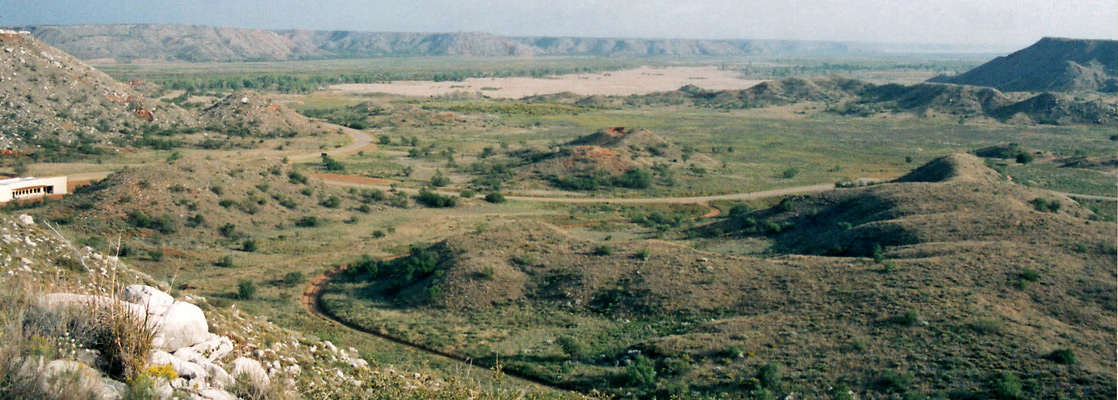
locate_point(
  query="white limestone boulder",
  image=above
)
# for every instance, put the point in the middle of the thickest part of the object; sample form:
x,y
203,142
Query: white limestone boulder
x,y
250,372
183,368
214,348
183,325
156,301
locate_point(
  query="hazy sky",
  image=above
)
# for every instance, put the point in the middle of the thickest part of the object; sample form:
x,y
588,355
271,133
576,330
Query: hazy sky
x,y
1001,22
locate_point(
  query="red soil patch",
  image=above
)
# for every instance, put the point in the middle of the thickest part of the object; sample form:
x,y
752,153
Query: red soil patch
x,y
352,179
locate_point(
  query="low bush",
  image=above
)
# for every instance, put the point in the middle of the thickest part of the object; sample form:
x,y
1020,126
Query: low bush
x,y
1062,356
432,199
246,289
309,221
495,197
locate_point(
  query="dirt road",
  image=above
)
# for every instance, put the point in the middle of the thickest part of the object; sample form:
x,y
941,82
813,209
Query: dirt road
x,y
313,292
361,141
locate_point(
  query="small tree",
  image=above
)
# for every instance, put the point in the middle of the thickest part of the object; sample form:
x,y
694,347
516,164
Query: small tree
x,y
249,245
439,180
246,289
495,197
226,261
331,164
20,167
293,278
572,347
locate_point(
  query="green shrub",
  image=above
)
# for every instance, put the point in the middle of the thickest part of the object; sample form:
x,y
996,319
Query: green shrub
x,y
155,255
790,173
739,210
293,278
643,254
641,373
466,194
296,177
225,261
841,392
432,199
603,250
769,375
1030,275
526,260
308,221
985,326
331,164
486,272
910,318
495,197
1062,356
877,253
893,381
249,245
573,347
332,202
246,289
439,180
638,178
1006,385
228,230
162,224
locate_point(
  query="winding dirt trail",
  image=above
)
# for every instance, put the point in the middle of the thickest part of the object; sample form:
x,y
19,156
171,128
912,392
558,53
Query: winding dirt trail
x,y
312,294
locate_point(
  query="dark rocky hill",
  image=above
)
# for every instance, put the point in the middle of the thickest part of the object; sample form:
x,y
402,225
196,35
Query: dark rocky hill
x,y
51,100
854,97
1052,64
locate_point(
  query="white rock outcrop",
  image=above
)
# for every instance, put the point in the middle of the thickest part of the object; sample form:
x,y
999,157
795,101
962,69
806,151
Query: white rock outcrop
x,y
183,325
251,371
154,299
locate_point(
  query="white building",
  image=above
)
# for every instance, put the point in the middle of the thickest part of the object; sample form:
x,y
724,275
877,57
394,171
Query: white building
x,y
31,188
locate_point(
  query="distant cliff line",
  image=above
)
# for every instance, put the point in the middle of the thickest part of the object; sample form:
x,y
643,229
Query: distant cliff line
x,y
195,43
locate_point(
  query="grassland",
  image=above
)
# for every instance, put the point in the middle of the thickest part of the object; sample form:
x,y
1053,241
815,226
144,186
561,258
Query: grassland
x,y
751,150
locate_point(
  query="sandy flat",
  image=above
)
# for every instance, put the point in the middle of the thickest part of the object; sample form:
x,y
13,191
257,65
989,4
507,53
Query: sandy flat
x,y
642,80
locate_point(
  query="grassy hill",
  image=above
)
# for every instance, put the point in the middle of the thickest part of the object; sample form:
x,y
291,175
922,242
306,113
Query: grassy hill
x,y
948,282
1052,64
611,157
256,115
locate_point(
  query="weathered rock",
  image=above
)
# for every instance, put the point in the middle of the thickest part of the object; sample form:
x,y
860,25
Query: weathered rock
x,y
75,377
218,377
183,368
155,300
214,394
250,371
183,325
26,219
214,348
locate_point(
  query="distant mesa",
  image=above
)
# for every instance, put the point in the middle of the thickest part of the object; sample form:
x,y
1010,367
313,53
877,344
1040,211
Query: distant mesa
x,y
193,43
1052,64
